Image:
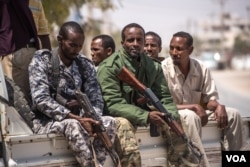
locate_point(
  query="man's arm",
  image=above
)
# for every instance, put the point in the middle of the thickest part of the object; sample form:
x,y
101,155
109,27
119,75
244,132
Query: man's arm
x,y
85,122
40,90
43,30
41,23
118,102
198,109
219,113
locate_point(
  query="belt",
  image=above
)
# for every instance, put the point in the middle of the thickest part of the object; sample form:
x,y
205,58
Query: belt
x,y
31,45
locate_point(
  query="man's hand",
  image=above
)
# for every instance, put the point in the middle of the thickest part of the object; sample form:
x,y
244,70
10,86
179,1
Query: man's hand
x,y
220,113
156,118
221,116
88,124
198,109
72,105
201,113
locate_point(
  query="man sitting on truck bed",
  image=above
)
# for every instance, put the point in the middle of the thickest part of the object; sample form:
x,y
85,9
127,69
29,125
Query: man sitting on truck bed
x,y
195,94
74,71
153,47
102,46
121,99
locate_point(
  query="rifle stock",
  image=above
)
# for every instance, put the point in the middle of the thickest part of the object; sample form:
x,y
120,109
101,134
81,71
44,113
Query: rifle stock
x,y
99,129
126,76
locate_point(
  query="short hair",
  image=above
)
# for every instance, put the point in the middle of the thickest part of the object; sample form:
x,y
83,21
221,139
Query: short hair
x,y
107,41
156,35
70,25
130,26
185,35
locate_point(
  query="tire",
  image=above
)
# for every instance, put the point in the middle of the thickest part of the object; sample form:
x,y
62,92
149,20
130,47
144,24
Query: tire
x,y
18,101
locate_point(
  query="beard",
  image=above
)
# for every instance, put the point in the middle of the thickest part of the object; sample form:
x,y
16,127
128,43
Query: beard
x,y
134,56
136,52
177,63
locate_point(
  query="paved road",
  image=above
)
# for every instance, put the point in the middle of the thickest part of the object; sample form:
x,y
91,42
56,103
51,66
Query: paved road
x,y
234,89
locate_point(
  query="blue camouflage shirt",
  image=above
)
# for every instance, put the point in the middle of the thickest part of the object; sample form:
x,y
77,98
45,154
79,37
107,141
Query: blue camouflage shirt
x,y
41,78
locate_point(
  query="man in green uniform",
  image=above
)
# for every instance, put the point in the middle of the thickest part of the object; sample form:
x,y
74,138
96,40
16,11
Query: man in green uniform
x,y
121,99
103,46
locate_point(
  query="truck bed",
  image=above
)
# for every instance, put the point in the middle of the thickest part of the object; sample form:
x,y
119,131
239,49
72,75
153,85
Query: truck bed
x,y
20,147
23,148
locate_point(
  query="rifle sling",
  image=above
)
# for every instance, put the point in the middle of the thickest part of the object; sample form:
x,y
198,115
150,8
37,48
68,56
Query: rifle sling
x,y
56,69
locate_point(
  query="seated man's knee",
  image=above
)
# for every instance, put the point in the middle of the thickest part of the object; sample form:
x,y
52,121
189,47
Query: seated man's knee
x,y
67,126
124,125
189,116
73,123
232,111
125,136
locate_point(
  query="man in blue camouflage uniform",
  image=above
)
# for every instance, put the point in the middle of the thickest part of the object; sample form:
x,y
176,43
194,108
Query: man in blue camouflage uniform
x,y
53,117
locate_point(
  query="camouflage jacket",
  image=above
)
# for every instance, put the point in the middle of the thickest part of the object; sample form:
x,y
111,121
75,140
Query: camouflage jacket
x,y
41,78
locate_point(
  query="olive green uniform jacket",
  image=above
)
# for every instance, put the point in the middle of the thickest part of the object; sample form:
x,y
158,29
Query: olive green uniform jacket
x,y
119,96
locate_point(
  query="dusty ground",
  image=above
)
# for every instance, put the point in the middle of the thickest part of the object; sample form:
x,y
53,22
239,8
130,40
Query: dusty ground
x,y
236,80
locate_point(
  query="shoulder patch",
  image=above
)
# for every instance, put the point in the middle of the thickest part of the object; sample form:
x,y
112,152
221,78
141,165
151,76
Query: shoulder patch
x,y
43,51
44,54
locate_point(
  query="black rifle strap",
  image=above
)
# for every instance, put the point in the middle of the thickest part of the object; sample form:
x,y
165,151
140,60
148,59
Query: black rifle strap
x,y
81,71
55,62
55,71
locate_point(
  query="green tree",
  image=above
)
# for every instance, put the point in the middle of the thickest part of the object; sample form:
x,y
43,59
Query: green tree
x,y
57,11
241,45
197,46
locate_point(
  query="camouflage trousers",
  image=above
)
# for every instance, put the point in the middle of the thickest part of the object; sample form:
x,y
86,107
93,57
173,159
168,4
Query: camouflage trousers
x,y
79,140
126,143
233,137
179,154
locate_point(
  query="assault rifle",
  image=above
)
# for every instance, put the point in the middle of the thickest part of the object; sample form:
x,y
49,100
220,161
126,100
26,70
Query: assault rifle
x,y
126,76
89,111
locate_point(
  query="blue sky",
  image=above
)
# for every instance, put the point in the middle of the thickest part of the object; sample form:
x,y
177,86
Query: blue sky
x,y
169,16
